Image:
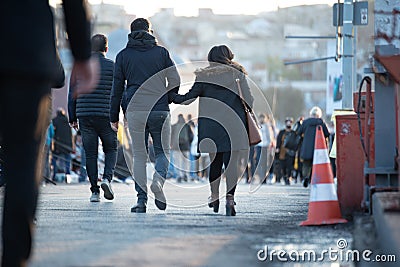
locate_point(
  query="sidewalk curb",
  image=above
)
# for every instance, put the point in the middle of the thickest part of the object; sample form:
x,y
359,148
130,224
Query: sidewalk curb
x,y
386,215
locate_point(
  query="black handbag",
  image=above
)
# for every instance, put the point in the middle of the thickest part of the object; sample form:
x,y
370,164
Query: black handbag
x,y
292,140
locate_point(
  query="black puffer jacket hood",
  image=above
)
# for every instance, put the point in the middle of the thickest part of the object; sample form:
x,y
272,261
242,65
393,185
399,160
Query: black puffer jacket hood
x,y
141,60
141,40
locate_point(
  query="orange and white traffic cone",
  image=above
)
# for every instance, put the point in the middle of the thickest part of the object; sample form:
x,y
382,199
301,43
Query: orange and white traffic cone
x,y
323,207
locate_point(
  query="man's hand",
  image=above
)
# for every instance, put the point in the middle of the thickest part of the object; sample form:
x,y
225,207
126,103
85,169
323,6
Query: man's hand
x,y
84,76
74,125
114,126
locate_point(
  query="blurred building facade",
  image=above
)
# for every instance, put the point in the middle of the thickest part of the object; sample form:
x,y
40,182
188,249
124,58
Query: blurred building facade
x,y
258,41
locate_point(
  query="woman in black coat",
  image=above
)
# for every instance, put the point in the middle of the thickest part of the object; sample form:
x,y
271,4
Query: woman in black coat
x,y
307,130
222,121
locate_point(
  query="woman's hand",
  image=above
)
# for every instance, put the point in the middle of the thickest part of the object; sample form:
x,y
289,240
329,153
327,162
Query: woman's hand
x,y
171,96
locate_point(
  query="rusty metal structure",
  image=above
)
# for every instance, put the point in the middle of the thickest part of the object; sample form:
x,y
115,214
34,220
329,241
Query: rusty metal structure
x,y
368,141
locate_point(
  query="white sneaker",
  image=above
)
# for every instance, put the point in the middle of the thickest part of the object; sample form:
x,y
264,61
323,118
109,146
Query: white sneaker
x,y
106,186
95,197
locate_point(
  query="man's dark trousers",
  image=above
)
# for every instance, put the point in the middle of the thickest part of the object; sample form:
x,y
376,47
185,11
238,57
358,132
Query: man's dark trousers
x,y
92,128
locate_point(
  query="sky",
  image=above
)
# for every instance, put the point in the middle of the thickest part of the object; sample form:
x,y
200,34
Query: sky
x,y
189,7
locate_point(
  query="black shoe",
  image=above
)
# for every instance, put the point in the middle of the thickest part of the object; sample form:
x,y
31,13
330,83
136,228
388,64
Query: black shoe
x,y
139,207
305,182
213,203
230,206
159,197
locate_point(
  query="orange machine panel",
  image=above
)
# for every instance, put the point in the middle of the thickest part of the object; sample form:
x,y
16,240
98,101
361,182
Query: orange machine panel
x,y
350,159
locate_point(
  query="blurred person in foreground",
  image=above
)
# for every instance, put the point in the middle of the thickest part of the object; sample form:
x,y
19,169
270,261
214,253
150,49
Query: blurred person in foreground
x,y
143,76
222,121
27,73
93,113
307,130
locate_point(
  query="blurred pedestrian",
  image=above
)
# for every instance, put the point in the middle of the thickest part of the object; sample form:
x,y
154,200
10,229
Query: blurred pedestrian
x,y
250,166
189,120
181,138
332,136
47,151
221,123
264,149
79,157
194,163
62,144
2,179
285,155
307,130
92,111
298,163
27,72
201,160
146,102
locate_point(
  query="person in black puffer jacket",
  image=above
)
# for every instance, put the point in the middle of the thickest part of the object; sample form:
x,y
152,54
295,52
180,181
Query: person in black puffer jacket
x,y
93,112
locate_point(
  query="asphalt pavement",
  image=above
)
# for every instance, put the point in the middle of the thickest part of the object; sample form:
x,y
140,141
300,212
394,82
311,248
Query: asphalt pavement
x,y
72,232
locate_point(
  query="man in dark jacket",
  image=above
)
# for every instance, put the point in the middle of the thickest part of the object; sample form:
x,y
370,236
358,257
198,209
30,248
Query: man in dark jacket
x,y
145,105
307,130
93,112
27,71
62,143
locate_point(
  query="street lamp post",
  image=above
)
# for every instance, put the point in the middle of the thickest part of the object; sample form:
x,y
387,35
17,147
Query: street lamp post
x,y
347,62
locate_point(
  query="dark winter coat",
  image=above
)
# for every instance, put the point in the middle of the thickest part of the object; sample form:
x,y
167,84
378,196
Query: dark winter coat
x,y
222,118
140,60
181,136
97,103
307,130
62,135
283,152
28,39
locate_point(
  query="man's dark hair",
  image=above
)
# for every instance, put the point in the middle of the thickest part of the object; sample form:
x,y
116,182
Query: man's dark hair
x,y
140,24
99,43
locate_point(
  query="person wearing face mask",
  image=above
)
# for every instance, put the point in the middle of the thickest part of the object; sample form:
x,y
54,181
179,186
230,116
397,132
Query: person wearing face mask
x,y
285,155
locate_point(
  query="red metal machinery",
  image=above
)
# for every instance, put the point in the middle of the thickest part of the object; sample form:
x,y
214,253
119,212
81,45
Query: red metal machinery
x,y
355,153
392,65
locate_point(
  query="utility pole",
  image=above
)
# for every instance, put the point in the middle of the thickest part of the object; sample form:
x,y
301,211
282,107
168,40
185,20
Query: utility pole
x,y
345,16
348,57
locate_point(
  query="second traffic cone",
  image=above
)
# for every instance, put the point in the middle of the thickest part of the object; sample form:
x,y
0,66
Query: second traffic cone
x,y
323,207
